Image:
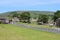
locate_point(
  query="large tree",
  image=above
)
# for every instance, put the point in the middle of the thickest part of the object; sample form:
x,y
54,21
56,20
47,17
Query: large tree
x,y
43,18
25,16
56,15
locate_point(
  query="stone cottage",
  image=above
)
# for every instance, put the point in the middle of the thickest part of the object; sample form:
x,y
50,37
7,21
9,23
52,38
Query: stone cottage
x,y
4,21
15,19
58,22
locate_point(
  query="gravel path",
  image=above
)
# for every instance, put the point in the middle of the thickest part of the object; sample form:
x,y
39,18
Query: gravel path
x,y
36,28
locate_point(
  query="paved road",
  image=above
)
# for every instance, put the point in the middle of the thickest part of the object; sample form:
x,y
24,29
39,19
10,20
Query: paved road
x,y
36,28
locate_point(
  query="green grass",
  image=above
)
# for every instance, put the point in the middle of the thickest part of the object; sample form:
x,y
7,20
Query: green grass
x,y
10,32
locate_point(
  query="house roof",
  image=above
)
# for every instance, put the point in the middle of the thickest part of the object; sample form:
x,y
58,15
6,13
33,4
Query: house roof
x,y
2,18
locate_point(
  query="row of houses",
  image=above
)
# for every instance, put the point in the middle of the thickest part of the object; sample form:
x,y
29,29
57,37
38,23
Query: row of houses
x,y
14,19
7,21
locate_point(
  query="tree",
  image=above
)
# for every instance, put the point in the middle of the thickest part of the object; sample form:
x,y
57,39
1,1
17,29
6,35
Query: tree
x,y
13,14
25,16
43,18
56,15
40,18
56,18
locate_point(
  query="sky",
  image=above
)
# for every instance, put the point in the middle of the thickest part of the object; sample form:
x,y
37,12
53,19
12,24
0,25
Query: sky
x,y
29,5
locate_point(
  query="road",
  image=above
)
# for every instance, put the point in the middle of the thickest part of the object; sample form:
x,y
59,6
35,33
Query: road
x,y
36,28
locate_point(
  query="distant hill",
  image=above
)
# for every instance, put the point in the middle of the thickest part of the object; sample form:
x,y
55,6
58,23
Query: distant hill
x,y
33,13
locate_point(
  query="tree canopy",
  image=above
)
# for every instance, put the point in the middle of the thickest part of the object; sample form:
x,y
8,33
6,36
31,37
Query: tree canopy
x,y
43,17
56,15
25,16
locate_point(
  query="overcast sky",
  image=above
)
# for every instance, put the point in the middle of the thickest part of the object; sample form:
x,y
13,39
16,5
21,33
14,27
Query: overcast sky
x,y
38,5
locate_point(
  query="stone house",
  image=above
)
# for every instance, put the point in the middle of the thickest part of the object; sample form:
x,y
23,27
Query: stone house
x,y
57,22
33,20
15,19
4,21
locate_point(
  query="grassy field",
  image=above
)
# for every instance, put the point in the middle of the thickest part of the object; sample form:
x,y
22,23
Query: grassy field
x,y
10,32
